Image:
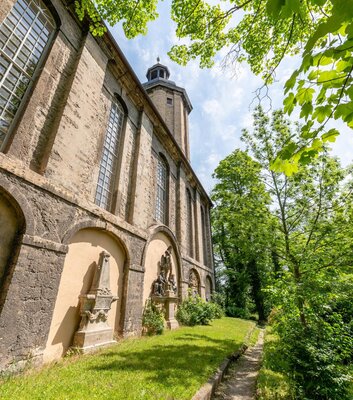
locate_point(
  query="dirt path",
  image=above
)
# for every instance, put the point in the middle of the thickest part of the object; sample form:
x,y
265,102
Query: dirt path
x,y
240,381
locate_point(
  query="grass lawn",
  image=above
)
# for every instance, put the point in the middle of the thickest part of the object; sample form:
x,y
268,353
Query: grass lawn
x,y
168,367
271,383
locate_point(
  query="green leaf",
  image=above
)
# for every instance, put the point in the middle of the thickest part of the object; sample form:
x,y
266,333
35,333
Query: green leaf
x,y
322,112
330,136
291,81
343,111
325,76
305,95
273,7
289,103
306,110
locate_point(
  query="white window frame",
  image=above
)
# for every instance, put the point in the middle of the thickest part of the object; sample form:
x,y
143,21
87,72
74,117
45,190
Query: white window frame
x,y
25,35
109,161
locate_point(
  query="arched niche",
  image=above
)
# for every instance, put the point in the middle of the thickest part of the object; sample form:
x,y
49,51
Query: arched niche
x,y
85,248
12,227
208,288
154,251
194,282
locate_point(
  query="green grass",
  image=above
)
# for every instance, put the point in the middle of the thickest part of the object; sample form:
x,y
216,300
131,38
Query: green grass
x,y
271,383
168,367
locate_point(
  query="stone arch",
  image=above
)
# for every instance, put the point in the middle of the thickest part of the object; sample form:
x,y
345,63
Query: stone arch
x,y
194,282
19,201
12,229
85,248
208,288
160,238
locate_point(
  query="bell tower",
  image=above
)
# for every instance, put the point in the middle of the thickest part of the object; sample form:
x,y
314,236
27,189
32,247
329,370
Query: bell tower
x,y
172,102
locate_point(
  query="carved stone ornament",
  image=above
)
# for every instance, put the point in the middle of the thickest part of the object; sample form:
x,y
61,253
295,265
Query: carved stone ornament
x,y
194,285
164,289
94,330
165,284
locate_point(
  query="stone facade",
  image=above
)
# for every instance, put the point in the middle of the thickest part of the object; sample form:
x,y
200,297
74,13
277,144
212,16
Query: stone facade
x,y
51,230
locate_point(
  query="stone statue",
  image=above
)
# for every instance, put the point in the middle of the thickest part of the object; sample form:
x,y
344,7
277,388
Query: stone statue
x,y
159,286
166,263
172,284
164,289
166,279
94,307
194,283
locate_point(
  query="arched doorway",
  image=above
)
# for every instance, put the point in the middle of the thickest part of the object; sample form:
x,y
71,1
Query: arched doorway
x,y
85,248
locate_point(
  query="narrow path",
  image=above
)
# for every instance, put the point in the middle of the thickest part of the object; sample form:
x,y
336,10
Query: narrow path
x,y
240,381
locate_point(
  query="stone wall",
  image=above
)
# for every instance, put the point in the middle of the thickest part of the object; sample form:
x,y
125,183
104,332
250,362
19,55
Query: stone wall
x,y
48,180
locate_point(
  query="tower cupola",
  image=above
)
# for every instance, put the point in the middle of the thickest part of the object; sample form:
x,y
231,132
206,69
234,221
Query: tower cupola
x,y
171,101
157,71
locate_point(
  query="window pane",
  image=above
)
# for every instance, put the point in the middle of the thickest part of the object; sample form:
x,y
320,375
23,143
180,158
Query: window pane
x,y
161,198
20,54
107,167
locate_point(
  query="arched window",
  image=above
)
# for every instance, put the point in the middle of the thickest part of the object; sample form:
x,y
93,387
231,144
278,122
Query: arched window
x,y
108,164
208,288
204,236
24,35
161,211
189,224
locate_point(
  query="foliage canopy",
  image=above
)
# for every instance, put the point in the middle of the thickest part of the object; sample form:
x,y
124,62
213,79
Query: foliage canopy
x,y
309,235
262,33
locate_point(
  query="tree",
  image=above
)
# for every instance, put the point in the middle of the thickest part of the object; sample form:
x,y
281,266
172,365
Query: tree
x,y
314,250
241,228
262,33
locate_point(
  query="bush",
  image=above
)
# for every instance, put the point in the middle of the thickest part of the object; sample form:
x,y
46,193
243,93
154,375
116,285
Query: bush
x,y
195,311
237,312
152,319
317,356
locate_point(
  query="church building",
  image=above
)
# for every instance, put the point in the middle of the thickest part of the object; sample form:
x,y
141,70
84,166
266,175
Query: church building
x,y
100,209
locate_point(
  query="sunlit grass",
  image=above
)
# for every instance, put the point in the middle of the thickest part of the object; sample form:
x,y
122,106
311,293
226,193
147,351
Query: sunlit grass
x,y
271,383
172,366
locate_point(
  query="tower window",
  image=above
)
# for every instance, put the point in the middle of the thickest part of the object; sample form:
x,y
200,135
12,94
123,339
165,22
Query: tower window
x,y
169,101
107,169
24,35
154,74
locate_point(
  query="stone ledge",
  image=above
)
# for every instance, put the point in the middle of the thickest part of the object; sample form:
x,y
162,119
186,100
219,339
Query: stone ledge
x,y
208,389
137,268
36,241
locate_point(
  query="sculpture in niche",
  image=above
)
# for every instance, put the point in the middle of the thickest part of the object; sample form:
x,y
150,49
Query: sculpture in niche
x,y
165,284
194,285
94,330
164,289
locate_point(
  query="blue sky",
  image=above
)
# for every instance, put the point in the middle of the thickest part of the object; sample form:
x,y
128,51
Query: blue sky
x,y
221,98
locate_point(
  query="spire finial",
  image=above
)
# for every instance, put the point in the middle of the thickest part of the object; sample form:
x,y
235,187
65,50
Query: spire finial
x,y
158,59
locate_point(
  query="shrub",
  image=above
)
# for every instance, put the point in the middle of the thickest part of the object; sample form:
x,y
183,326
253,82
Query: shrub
x,y
317,356
195,311
152,319
237,312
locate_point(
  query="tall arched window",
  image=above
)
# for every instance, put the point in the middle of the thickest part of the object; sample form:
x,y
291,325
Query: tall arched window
x,y
161,211
189,224
108,164
24,35
204,236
